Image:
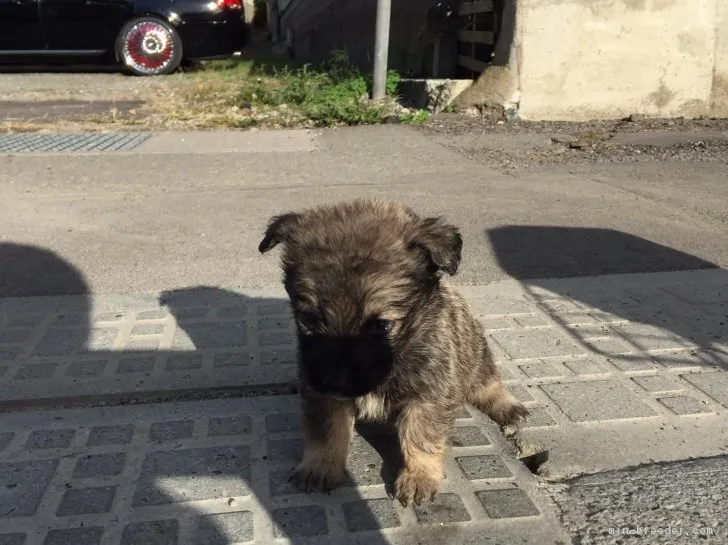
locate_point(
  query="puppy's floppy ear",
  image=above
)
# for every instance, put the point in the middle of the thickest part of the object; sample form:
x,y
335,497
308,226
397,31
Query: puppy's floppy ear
x,y
280,228
442,242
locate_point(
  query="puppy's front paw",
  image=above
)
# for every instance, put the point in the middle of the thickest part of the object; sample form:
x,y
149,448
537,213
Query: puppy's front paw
x,y
317,477
416,486
513,413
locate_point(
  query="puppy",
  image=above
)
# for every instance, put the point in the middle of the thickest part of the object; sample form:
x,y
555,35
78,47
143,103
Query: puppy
x,y
382,336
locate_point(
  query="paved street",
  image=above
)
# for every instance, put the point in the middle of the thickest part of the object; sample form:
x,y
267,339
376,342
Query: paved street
x,y
146,348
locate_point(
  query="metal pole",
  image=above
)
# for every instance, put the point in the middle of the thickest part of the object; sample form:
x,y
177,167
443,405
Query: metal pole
x,y
381,49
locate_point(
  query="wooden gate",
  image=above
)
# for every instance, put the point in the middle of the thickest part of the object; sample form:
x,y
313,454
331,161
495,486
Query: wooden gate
x,y
476,37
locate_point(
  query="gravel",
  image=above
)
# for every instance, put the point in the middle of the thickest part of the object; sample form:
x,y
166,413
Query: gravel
x,y
510,146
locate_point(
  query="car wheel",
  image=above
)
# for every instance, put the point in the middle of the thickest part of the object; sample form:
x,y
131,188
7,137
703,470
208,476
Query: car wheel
x,y
149,47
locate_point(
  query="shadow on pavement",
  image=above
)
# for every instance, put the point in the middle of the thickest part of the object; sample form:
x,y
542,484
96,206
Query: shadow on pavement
x,y
58,339
680,319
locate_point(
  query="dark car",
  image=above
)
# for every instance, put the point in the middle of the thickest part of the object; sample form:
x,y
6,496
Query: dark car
x,y
148,37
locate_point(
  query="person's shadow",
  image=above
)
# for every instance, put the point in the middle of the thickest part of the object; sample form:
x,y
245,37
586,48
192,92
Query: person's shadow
x,y
655,302
108,425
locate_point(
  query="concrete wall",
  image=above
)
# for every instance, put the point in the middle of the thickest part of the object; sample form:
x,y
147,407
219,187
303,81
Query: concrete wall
x,y
601,59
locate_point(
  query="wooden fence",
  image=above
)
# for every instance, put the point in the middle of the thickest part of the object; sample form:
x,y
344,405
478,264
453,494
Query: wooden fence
x,y
476,37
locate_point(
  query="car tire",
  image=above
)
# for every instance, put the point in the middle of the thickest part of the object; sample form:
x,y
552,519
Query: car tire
x,y
149,46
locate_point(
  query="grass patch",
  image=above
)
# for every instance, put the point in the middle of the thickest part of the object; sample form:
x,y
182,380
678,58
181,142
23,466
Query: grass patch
x,y
336,94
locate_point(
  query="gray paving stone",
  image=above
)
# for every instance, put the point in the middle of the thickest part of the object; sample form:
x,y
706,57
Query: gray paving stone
x,y
507,503
86,368
276,307
150,494
73,341
170,431
649,337
24,485
714,385
89,535
136,365
521,392
584,367
35,371
181,362
211,335
285,357
305,521
446,508
538,417
100,465
535,343
540,370
143,343
285,450
367,515
47,439
197,474
233,359
148,329
230,425
683,405
109,317
468,436
5,439
16,538
237,311
483,467
225,528
659,383
274,322
597,400
30,321
16,335
10,354
70,320
282,422
156,532
110,435
183,315
275,338
152,315
3,370
84,501
634,363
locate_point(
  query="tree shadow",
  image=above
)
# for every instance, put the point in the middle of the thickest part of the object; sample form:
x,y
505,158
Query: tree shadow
x,y
61,475
628,299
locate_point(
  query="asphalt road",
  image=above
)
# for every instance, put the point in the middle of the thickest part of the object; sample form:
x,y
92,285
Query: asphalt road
x,y
184,213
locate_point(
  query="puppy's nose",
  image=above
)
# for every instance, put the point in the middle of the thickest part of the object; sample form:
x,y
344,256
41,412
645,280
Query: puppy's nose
x,y
336,381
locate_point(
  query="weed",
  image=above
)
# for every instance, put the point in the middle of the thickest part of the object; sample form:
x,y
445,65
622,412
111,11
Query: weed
x,y
335,94
417,117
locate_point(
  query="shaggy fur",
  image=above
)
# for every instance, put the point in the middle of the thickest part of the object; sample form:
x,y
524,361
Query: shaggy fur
x,y
382,336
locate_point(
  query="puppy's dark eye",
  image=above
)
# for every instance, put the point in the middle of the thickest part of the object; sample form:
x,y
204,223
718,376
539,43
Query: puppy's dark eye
x,y
379,325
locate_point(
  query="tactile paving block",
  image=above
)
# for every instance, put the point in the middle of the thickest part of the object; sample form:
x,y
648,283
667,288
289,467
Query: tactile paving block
x,y
71,142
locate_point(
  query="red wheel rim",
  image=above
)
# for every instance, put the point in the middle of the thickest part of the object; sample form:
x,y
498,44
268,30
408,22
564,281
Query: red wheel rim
x,y
148,47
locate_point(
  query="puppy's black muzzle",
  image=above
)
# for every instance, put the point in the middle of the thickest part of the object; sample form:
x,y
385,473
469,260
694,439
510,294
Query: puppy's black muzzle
x,y
345,367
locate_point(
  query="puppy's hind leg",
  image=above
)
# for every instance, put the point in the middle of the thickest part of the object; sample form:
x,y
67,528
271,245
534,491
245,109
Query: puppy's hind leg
x,y
327,426
498,403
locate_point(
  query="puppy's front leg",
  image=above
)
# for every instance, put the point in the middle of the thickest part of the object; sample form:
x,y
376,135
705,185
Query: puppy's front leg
x,y
423,437
327,427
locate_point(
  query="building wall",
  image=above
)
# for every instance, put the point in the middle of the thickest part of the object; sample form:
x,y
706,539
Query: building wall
x,y
584,59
